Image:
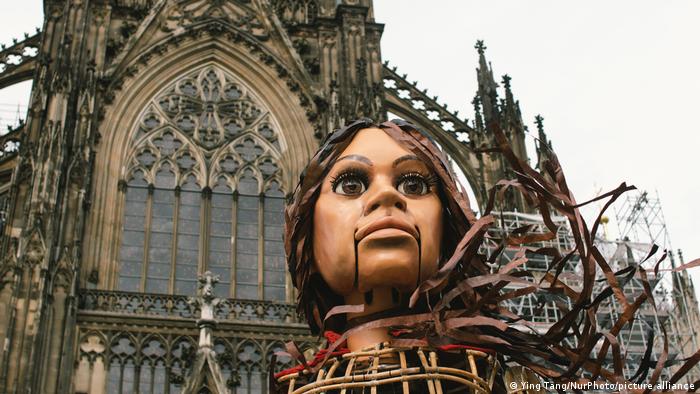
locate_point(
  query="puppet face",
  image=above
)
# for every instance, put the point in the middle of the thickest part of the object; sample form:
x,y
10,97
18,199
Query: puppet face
x,y
378,218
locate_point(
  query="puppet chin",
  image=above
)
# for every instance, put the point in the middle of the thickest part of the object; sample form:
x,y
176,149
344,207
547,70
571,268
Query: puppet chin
x,y
388,262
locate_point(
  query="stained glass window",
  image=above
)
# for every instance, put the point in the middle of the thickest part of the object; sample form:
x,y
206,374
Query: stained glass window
x,y
203,193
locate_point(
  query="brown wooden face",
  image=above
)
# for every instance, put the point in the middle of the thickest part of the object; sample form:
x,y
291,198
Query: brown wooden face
x,y
378,208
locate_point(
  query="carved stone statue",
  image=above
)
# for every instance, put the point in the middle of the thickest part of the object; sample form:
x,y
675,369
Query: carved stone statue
x,y
208,300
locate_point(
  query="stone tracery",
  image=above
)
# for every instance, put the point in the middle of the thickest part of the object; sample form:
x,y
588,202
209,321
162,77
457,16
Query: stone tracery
x,y
204,153
126,361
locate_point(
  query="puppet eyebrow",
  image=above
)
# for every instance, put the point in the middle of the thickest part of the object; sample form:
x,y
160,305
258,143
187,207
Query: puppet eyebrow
x,y
359,158
404,158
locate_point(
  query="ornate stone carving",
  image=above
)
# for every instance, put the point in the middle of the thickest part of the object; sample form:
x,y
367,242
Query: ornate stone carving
x,y
181,15
9,266
92,346
296,12
178,306
18,61
35,249
64,272
209,125
397,86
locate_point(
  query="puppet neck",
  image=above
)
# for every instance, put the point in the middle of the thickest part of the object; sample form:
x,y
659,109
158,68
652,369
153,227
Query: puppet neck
x,y
379,300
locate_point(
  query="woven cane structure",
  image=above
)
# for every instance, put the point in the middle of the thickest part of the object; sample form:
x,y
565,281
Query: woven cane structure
x,y
386,369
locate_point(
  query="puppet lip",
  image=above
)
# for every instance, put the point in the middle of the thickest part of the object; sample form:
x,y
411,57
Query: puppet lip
x,y
386,222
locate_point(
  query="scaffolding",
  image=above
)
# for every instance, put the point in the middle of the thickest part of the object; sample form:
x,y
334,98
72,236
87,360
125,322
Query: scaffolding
x,y
540,311
641,223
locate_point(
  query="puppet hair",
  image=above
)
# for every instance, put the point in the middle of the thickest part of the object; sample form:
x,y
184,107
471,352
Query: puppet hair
x,y
315,297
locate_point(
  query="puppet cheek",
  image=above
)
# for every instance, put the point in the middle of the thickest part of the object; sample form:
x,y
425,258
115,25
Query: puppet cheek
x,y
334,246
430,225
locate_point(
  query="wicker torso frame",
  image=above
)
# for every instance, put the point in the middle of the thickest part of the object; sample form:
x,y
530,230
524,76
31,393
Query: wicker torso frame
x,y
385,369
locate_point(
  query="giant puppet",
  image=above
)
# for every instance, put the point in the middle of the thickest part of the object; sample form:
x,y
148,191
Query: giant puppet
x,y
390,265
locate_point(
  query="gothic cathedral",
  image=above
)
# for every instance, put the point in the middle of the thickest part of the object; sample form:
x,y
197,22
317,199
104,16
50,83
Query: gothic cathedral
x,y
161,140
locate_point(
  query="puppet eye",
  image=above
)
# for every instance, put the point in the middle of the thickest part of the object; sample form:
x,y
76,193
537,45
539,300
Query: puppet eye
x,y
413,184
350,183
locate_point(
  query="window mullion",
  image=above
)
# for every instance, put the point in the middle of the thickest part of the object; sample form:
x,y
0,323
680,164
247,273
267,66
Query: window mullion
x,y
167,369
153,377
147,238
137,375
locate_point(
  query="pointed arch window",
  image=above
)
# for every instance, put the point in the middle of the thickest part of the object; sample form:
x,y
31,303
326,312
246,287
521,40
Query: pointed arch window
x,y
203,191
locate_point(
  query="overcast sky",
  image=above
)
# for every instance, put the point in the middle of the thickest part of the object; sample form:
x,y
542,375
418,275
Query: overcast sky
x,y
616,81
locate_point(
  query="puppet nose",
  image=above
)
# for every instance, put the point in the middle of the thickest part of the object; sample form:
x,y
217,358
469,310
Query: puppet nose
x,y
385,196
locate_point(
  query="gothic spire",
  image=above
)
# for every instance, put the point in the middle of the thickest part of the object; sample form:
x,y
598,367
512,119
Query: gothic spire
x,y
505,80
543,146
510,108
487,93
539,121
510,103
505,113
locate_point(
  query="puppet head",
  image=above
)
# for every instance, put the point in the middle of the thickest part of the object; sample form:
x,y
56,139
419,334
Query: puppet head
x,y
377,206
